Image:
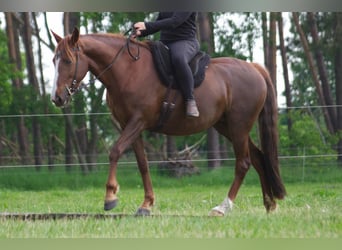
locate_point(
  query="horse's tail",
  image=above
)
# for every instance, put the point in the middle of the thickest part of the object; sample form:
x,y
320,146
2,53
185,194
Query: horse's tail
x,y
269,137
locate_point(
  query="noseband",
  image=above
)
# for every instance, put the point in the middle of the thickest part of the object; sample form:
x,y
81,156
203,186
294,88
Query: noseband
x,y
74,87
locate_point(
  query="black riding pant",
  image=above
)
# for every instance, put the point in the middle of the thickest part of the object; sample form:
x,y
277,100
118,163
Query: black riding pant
x,y
181,54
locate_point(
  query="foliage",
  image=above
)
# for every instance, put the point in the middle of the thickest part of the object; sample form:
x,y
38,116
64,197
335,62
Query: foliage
x,y
114,22
303,91
306,134
5,76
236,33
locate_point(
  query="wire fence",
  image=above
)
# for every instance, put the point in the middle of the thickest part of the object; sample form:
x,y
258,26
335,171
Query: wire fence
x,y
108,113
128,161
298,156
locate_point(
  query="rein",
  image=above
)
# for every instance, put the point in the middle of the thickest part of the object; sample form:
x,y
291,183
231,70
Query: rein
x,y
74,88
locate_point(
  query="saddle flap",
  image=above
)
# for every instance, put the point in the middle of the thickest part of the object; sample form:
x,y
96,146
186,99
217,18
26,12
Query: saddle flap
x,y
162,62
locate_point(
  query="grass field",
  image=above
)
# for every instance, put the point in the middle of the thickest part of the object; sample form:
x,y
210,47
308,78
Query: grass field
x,y
312,209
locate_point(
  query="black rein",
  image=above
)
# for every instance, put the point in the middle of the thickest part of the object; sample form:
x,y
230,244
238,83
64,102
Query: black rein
x,y
74,88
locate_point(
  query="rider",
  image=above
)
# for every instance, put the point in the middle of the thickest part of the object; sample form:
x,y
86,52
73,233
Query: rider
x,y
178,33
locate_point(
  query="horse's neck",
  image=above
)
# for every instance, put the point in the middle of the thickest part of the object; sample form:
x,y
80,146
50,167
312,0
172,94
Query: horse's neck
x,y
110,59
101,50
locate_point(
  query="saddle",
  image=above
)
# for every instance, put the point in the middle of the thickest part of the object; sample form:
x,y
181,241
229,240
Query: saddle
x,y
162,62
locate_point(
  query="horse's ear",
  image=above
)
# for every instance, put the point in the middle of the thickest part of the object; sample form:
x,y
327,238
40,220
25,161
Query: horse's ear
x,y
57,37
75,36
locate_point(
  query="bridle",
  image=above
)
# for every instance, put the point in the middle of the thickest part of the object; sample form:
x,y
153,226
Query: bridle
x,y
73,86
76,87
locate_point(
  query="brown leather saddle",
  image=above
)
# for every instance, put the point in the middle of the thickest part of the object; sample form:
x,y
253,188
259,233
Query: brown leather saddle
x,y
162,62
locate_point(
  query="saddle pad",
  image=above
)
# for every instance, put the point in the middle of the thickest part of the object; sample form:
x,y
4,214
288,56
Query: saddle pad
x,y
162,62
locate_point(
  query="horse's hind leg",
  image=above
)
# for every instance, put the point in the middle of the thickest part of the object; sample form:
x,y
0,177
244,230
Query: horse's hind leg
x,y
257,158
140,154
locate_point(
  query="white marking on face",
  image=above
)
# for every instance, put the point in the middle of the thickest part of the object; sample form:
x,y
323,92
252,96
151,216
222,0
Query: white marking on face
x,y
54,87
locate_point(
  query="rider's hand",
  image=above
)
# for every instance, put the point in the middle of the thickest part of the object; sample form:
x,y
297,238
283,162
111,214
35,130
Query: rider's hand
x,y
139,26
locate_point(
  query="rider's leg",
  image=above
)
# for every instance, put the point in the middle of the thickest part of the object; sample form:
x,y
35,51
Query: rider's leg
x,y
181,54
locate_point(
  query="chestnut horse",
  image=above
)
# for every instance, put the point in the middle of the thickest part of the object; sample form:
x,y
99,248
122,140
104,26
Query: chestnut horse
x,y
233,95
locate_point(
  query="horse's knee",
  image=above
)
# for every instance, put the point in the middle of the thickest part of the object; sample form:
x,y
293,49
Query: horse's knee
x,y
114,155
242,168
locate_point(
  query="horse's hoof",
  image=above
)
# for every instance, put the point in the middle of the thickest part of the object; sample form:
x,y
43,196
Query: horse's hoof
x,y
216,213
143,212
108,205
271,208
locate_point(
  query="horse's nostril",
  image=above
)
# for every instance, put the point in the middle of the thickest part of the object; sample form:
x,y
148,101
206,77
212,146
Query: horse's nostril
x,y
57,100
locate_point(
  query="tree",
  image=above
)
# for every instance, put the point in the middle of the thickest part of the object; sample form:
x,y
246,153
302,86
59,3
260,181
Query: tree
x,y
322,71
271,62
283,53
314,76
12,32
45,100
74,137
33,82
338,80
313,71
205,28
6,97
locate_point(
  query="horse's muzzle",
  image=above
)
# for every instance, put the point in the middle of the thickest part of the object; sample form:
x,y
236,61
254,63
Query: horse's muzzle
x,y
60,100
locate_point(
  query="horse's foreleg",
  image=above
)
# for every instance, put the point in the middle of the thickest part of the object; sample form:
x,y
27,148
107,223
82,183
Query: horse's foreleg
x,y
241,168
258,163
140,154
128,136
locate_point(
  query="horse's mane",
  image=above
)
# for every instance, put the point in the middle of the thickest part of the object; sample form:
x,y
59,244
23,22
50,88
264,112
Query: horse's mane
x,y
119,36
66,42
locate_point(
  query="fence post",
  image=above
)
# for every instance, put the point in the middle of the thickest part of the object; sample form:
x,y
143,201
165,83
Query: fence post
x,y
303,164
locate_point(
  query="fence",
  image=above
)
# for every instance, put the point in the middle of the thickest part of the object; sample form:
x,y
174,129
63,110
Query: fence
x,y
299,158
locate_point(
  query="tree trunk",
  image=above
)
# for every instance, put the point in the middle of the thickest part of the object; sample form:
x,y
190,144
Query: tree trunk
x,y
74,140
272,49
265,36
33,81
2,136
46,99
51,153
69,149
205,21
15,59
314,73
96,103
171,148
71,137
285,71
322,69
338,81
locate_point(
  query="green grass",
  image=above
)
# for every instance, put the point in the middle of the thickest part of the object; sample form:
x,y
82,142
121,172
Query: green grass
x,y
312,208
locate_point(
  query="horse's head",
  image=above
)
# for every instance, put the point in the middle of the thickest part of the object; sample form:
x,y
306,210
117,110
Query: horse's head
x,y
70,68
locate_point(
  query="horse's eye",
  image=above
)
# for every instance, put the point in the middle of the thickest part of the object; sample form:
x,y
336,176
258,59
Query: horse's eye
x,y
67,61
